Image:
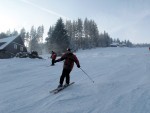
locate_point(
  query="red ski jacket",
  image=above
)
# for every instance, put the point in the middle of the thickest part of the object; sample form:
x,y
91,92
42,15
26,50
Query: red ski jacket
x,y
69,58
53,56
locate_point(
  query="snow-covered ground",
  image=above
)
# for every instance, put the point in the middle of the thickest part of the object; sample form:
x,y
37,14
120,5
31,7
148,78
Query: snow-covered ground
x,y
121,83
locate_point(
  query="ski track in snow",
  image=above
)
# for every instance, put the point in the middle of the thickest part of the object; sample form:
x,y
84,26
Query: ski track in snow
x,y
121,83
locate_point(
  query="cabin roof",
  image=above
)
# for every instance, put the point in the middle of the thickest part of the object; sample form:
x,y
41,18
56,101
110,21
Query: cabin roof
x,y
115,43
5,41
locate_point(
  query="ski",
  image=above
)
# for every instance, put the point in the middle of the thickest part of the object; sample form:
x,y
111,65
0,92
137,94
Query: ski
x,y
55,91
50,65
62,88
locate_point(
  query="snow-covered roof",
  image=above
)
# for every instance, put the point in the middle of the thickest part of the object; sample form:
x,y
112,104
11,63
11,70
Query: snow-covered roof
x,y
5,41
114,43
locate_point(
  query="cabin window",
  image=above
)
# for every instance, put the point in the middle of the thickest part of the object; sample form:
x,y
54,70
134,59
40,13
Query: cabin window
x,y
21,48
15,46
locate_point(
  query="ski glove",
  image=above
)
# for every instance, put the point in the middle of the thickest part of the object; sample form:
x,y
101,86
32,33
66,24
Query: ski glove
x,y
78,66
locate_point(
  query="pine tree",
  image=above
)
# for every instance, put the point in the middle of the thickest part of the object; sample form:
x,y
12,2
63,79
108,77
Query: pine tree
x,y
94,34
69,28
39,38
40,32
48,42
86,33
27,39
129,44
14,33
3,35
60,39
74,35
33,42
23,34
80,33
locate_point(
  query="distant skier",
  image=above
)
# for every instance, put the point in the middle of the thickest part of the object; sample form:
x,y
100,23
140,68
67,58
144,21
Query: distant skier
x,y
149,48
53,57
69,58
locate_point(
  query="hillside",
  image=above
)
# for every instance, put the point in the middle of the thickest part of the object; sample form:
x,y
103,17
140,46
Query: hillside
x,y
121,83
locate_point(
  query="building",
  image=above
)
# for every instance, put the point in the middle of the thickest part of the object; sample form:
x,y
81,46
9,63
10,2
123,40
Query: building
x,y
10,46
114,44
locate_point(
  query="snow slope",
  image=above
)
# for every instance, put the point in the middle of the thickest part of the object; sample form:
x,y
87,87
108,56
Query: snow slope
x,y
121,83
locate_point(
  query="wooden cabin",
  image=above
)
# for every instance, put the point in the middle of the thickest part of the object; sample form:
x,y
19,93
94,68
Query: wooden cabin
x,y
10,46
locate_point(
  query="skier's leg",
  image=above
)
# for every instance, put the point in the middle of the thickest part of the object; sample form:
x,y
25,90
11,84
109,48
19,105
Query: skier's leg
x,y
68,76
62,77
53,62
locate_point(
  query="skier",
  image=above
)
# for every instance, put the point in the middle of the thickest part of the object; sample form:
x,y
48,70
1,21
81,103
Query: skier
x,y
53,57
69,58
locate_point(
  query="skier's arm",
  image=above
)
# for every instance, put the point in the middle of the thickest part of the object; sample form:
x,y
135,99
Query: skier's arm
x,y
60,59
77,61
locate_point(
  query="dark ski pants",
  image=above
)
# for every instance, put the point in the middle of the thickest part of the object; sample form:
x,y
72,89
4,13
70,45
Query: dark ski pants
x,y
65,74
53,62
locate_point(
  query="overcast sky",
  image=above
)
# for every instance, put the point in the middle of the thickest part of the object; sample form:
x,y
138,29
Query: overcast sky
x,y
123,19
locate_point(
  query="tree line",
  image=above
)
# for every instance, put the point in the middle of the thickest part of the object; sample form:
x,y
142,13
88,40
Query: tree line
x,y
77,34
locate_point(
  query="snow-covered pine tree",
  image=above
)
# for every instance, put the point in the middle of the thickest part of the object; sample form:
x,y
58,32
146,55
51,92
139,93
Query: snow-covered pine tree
x,y
23,34
60,38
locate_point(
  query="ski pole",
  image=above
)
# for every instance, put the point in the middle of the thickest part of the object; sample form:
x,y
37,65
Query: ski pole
x,y
87,75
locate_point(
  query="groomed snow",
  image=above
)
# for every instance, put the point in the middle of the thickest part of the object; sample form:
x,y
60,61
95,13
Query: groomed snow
x,y
121,83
